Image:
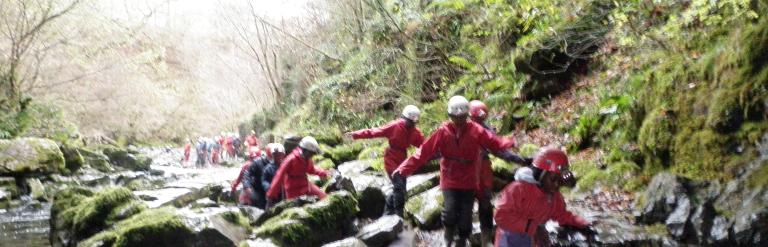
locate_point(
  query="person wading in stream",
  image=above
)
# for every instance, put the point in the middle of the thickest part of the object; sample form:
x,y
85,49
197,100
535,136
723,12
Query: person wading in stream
x,y
459,142
252,180
401,134
532,199
478,112
247,195
291,177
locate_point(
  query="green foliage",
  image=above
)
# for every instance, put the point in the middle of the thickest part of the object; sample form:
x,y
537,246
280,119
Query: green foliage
x,y
759,178
237,218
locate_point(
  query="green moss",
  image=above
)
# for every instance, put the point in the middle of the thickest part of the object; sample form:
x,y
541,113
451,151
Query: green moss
x,y
126,210
759,178
312,224
725,113
237,218
657,229
372,152
344,153
701,155
91,213
503,169
655,138
620,175
529,149
156,227
424,209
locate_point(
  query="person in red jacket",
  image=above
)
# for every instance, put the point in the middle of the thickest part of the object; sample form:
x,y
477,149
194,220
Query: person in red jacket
x,y
532,199
401,134
291,177
251,140
459,142
230,145
187,150
478,112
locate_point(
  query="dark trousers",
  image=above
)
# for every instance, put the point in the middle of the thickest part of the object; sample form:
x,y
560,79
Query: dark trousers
x,y
457,210
485,209
396,200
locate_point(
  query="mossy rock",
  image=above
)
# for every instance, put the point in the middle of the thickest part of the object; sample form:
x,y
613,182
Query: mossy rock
x,y
26,156
124,159
325,164
330,137
96,160
371,202
416,184
424,209
90,215
314,224
343,153
702,155
282,206
155,227
725,114
656,137
502,169
73,160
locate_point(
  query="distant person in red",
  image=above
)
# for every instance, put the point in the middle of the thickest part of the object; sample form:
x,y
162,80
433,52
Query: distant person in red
x,y
229,144
221,139
459,142
291,177
187,150
532,199
216,151
401,134
478,112
251,140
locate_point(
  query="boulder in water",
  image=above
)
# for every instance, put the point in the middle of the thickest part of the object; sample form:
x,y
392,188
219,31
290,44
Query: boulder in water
x,y
284,205
382,231
421,182
95,160
371,202
347,242
208,191
127,160
314,224
73,160
24,156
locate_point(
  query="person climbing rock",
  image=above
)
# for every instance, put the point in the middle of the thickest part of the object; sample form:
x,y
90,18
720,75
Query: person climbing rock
x,y
401,134
478,112
253,176
459,142
291,177
275,152
532,199
245,193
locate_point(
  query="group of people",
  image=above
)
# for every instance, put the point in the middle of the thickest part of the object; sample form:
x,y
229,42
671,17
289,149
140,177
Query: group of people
x,y
463,145
226,146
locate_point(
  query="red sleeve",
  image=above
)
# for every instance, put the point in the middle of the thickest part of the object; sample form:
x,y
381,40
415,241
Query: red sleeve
x,y
418,138
277,181
382,131
494,143
565,217
312,169
425,153
239,177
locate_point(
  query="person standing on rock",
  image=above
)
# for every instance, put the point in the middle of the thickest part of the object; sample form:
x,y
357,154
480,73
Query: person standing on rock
x,y
401,134
532,199
478,112
459,142
291,177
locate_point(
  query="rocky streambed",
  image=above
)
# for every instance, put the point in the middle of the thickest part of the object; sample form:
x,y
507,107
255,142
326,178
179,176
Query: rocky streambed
x,y
144,197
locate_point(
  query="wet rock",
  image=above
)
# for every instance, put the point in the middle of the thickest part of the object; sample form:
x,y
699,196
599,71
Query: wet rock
x,y
719,233
124,159
424,209
677,222
701,221
204,203
95,160
72,158
339,182
253,213
8,190
36,189
314,224
24,156
371,202
661,198
147,198
382,231
750,227
417,184
347,242
209,191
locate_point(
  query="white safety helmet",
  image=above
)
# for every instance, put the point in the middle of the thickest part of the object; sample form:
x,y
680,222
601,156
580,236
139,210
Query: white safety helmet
x,y
309,143
411,112
458,105
276,148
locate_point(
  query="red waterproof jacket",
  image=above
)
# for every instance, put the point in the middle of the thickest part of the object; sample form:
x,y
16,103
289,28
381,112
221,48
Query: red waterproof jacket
x,y
459,149
523,206
292,176
187,149
400,138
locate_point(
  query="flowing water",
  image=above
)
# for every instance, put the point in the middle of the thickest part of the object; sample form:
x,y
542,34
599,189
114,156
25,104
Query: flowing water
x,y
25,226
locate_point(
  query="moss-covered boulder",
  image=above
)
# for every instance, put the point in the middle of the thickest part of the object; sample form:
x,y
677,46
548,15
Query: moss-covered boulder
x,y
312,225
95,160
656,137
419,183
124,159
282,206
371,201
212,191
424,209
343,153
73,160
23,156
78,213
